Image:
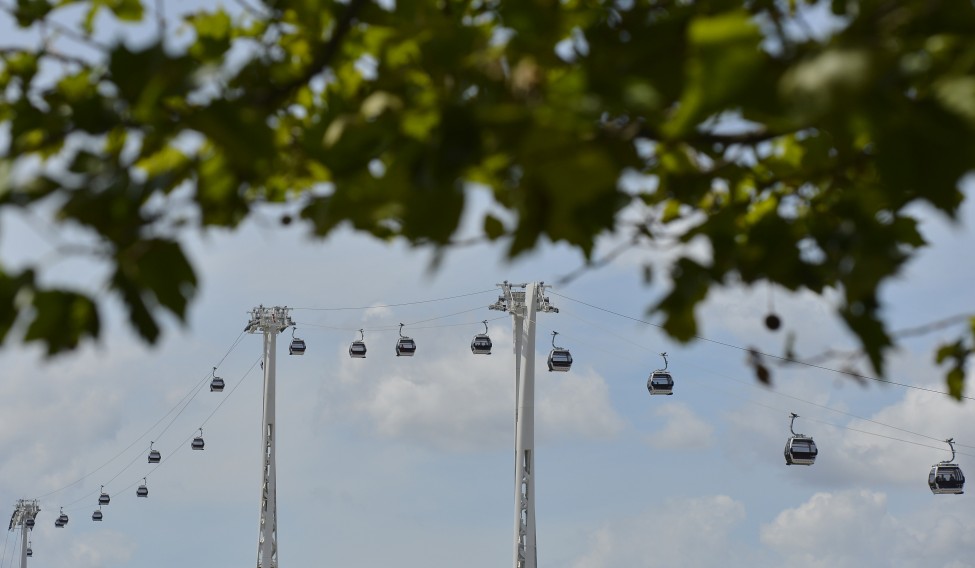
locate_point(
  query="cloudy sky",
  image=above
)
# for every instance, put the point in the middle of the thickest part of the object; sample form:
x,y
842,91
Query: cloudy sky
x,y
408,462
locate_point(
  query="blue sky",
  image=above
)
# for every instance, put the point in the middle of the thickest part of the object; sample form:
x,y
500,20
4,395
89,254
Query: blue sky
x,y
395,461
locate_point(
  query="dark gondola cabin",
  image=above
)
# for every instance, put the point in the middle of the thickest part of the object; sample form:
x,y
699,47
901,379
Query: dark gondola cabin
x,y
481,344
104,499
799,448
559,360
97,515
154,455
660,382
217,384
62,518
30,551
946,478
297,347
405,347
197,443
142,491
358,348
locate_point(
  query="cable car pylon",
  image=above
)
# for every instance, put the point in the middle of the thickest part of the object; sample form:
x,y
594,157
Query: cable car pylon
x,y
270,322
523,307
25,512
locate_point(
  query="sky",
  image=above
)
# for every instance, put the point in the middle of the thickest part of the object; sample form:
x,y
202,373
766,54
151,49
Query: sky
x,y
408,462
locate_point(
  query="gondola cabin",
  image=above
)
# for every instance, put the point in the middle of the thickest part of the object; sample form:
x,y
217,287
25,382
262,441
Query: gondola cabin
x,y
660,382
197,443
217,384
946,479
29,523
800,450
62,518
97,515
142,491
297,346
481,344
405,347
154,456
559,360
30,551
357,350
104,499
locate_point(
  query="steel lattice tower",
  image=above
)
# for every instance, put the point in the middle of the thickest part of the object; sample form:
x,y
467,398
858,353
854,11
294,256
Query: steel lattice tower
x,y
523,307
24,513
270,322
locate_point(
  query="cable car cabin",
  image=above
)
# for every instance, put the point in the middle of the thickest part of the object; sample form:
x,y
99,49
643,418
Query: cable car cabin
x,y
197,443
481,344
142,491
800,450
357,350
297,347
405,347
96,516
58,524
155,456
29,523
217,384
104,499
62,518
946,479
660,382
559,360
30,552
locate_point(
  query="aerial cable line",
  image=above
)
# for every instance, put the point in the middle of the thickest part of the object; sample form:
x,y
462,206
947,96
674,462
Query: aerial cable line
x,y
750,384
194,390
396,327
769,355
376,307
840,426
169,454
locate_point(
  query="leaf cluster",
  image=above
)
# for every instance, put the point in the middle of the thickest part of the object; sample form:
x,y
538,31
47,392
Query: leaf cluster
x,y
796,154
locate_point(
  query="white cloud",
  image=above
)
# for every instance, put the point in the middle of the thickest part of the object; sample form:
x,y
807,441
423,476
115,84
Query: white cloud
x,y
449,403
683,532
683,429
854,528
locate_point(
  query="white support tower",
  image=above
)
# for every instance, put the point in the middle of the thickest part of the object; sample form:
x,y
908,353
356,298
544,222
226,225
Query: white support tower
x,y
25,512
270,322
523,305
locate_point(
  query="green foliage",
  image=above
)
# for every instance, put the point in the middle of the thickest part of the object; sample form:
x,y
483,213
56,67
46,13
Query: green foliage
x,y
796,159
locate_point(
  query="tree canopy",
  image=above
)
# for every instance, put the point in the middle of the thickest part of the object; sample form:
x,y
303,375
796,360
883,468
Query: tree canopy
x,y
791,137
